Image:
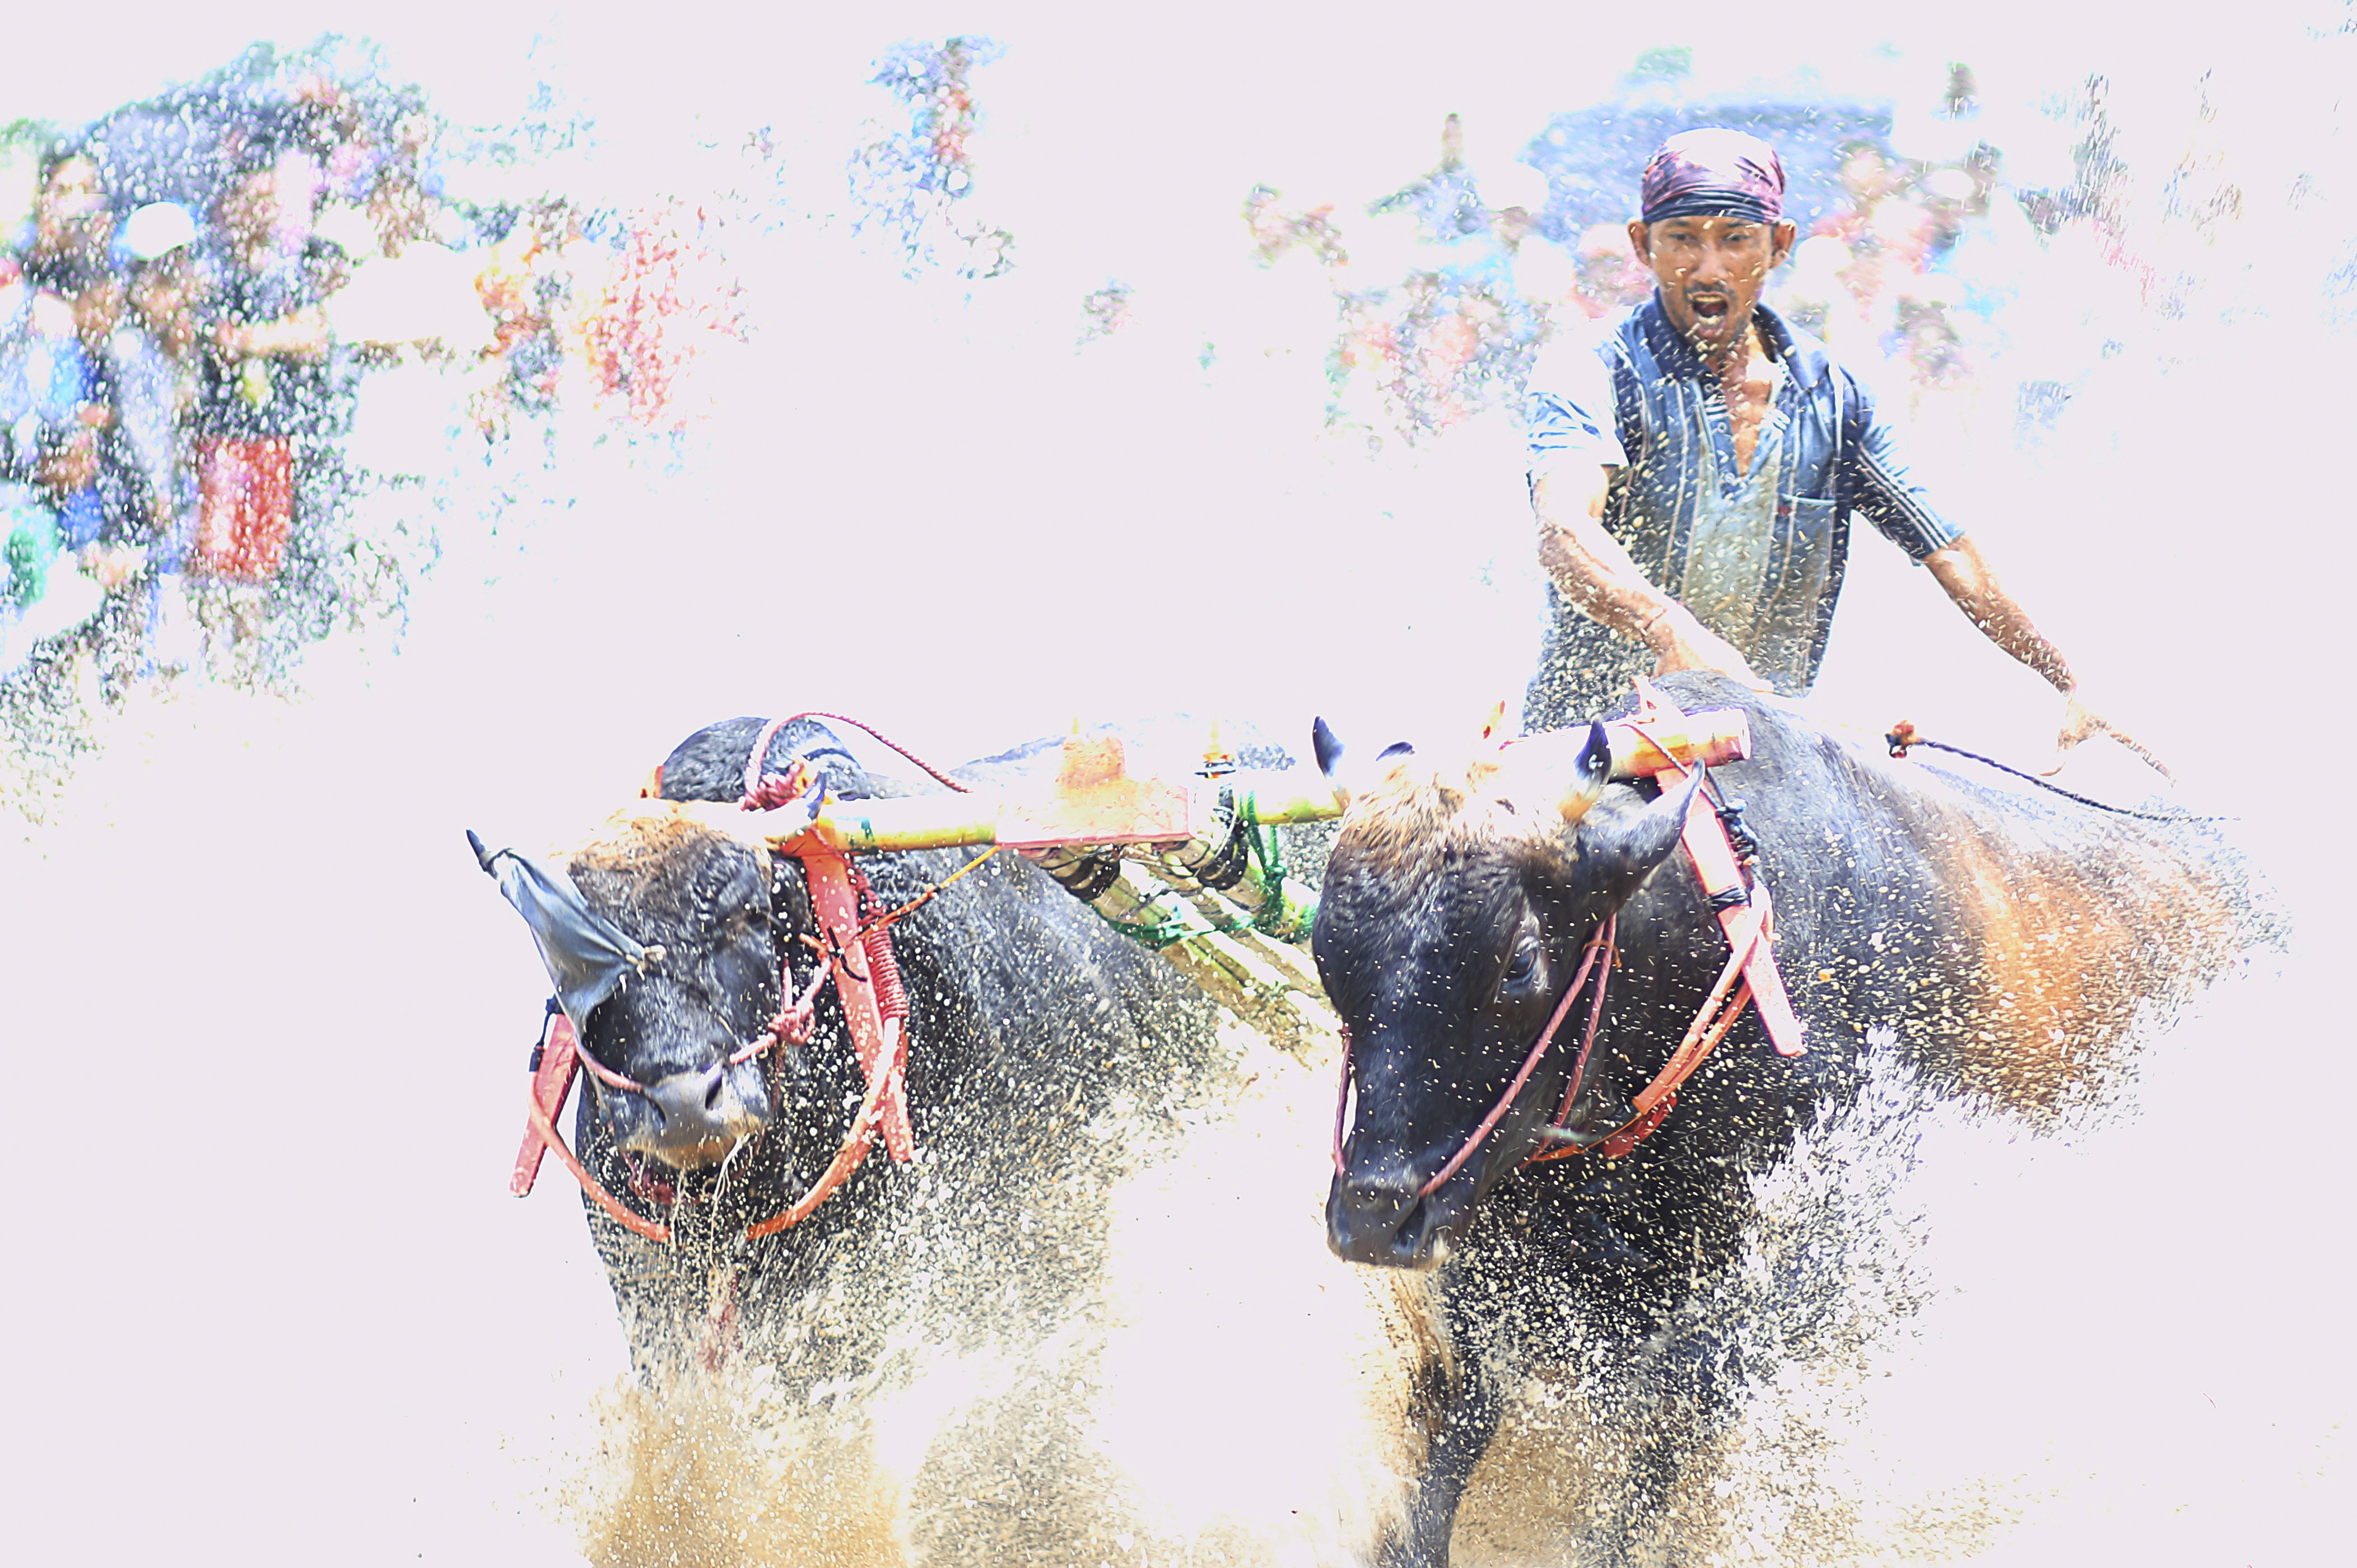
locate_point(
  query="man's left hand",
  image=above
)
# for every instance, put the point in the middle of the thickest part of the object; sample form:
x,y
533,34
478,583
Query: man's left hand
x,y
2081,722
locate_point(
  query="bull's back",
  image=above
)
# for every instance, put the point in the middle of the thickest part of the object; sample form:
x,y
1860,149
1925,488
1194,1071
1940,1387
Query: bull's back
x,y
2012,937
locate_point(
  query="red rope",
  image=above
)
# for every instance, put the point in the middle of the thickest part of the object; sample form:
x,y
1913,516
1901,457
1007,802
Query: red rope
x,y
797,1016
652,1230
1595,1018
1497,1112
856,1144
1719,1010
876,941
598,1070
770,733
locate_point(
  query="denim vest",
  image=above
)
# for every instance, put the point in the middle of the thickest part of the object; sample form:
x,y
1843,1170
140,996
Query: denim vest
x,y
1756,554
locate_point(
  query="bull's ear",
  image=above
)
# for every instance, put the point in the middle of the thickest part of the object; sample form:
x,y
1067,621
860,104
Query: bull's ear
x,y
1590,771
1617,850
588,955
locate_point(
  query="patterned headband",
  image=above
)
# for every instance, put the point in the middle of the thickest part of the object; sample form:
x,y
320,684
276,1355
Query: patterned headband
x,y
1713,172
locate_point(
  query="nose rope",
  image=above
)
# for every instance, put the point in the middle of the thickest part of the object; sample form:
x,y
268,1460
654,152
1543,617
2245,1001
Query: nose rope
x,y
795,1013
1595,1018
1529,1063
1600,942
605,1074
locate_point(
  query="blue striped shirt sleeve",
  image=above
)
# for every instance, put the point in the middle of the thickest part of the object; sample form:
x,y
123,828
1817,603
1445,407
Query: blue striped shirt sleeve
x,y
1569,413
1876,481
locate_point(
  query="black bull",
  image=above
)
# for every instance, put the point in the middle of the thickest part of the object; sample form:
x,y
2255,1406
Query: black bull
x,y
1029,1016
2006,939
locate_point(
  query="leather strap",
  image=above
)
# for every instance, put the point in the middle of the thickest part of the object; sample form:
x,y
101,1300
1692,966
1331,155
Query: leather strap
x,y
555,1066
880,1043
1704,837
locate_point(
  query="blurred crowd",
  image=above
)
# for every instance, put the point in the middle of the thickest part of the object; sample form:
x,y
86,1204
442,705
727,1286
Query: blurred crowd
x,y
241,327
184,322
1961,297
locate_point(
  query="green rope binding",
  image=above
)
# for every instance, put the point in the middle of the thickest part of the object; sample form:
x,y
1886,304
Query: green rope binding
x,y
1281,917
1158,936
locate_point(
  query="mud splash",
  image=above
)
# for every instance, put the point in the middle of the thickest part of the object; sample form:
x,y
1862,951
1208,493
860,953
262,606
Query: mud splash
x,y
1140,1398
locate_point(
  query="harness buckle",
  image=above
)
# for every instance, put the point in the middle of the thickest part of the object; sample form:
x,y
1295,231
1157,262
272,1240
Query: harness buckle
x,y
1740,836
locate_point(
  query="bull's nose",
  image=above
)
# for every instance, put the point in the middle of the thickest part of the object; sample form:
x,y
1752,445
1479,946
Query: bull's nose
x,y
1373,1219
1378,1203
699,1117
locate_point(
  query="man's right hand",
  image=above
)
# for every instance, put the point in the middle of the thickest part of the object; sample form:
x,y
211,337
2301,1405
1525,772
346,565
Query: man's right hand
x,y
1593,570
2082,723
1680,641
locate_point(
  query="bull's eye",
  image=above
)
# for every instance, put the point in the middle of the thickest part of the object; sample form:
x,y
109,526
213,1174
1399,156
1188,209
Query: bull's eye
x,y
1523,961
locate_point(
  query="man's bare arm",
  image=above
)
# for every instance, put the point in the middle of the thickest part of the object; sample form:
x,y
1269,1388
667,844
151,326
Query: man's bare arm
x,y
1594,570
1972,582
1969,579
300,335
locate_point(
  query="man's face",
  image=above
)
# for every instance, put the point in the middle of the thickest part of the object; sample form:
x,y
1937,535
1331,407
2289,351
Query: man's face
x,y
1711,271
72,217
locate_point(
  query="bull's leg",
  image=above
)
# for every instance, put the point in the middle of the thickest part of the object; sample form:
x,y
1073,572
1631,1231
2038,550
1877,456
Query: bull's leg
x,y
1685,1411
1462,1418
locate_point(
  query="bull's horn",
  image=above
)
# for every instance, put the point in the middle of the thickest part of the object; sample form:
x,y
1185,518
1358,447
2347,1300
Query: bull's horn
x,y
1345,778
1329,749
1621,849
1567,766
1590,771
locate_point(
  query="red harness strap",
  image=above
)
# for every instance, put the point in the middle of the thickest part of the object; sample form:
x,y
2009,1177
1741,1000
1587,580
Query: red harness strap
x,y
553,1068
1704,837
544,1126
858,958
872,1003
1747,917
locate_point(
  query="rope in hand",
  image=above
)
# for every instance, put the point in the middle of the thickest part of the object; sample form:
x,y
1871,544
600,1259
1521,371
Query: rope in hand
x,y
1902,739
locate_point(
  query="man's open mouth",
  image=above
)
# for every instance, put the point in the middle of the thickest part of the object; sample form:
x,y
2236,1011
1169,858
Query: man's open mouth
x,y
1709,308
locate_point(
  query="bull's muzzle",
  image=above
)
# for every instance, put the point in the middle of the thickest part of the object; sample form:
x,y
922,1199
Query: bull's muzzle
x,y
698,1118
1380,1219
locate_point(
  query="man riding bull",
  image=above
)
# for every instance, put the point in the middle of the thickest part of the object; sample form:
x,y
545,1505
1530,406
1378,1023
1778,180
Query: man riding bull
x,y
1694,472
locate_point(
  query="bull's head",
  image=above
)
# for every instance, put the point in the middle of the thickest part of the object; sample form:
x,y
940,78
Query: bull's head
x,y
663,941
1453,917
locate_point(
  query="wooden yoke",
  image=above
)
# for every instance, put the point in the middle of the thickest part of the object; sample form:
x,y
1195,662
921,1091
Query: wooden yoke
x,y
1095,801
